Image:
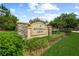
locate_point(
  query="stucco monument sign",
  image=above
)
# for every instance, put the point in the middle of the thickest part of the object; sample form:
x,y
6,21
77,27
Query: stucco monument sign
x,y
36,29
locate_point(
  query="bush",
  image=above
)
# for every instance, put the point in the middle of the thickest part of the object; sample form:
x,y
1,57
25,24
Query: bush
x,y
10,44
36,43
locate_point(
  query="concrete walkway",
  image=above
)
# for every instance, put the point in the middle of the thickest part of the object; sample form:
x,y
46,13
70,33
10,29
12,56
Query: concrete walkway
x,y
76,31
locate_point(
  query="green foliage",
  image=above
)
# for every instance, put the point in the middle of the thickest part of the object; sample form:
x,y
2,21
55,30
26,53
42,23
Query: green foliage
x,y
78,21
7,20
10,44
36,43
37,20
55,36
65,22
39,42
68,46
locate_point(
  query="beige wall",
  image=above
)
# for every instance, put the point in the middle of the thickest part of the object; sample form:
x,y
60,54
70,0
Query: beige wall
x,y
39,29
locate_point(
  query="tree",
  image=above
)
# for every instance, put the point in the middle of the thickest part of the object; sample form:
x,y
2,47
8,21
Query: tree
x,y
7,20
78,21
37,20
65,22
4,10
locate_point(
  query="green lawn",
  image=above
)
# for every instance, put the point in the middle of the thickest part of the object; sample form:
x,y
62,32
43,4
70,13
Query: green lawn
x,y
69,46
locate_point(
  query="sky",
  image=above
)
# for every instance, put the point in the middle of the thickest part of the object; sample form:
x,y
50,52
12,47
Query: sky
x,y
46,11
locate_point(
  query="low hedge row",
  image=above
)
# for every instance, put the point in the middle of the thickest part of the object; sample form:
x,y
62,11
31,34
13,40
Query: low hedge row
x,y
56,36
37,43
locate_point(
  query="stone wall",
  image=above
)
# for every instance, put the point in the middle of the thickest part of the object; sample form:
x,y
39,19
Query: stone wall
x,y
22,29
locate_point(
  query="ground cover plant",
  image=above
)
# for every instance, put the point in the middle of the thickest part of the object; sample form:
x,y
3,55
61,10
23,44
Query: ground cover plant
x,y
68,46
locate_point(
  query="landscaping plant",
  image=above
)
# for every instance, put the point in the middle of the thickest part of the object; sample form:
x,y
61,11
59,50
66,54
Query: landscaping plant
x,y
10,44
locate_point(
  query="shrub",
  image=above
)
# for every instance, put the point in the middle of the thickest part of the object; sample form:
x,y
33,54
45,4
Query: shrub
x,y
36,43
10,44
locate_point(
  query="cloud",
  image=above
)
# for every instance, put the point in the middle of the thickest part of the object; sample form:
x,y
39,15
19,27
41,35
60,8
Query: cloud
x,y
47,17
32,6
24,16
67,12
24,20
42,7
50,16
16,15
48,6
76,7
39,11
76,13
12,9
20,4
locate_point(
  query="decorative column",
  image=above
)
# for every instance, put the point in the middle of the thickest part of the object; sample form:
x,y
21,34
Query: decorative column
x,y
28,32
49,30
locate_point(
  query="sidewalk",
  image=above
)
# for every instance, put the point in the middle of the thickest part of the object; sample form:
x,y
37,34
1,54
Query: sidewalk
x,y
76,31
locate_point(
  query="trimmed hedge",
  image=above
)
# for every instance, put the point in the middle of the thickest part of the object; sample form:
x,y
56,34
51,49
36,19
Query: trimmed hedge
x,y
37,43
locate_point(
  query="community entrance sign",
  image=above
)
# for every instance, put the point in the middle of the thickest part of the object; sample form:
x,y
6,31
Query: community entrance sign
x,y
36,29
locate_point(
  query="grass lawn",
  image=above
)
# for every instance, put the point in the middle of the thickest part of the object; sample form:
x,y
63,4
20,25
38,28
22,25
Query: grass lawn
x,y
69,46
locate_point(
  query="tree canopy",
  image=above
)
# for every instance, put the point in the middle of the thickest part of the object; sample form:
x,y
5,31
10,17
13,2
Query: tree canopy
x,y
37,20
7,20
65,22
